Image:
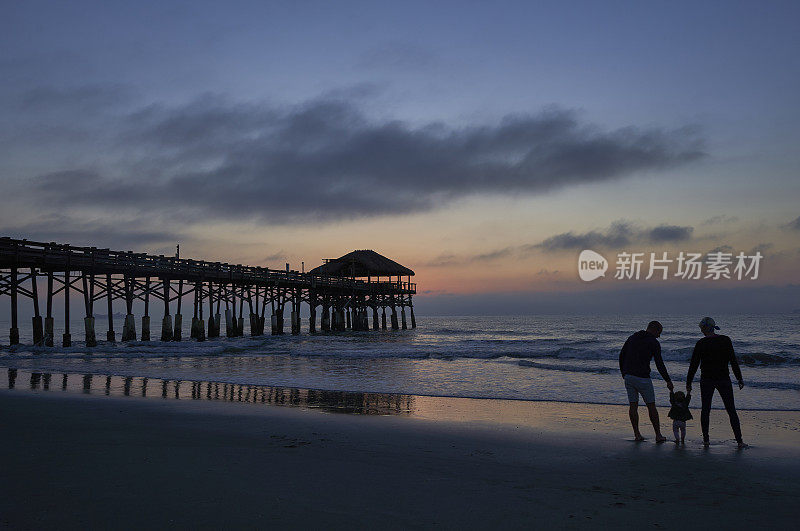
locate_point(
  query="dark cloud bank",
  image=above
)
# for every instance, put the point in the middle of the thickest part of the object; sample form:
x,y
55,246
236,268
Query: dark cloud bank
x,y
620,234
793,225
326,160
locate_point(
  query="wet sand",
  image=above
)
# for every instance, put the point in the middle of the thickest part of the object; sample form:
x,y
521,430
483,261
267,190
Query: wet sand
x,y
81,460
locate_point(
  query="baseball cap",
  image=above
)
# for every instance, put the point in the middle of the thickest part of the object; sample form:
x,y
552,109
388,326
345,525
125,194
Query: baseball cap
x,y
708,323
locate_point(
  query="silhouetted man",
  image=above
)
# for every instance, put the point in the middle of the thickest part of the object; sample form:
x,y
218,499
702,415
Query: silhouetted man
x,y
634,364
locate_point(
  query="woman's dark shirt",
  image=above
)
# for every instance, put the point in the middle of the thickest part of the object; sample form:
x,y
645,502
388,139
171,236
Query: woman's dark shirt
x,y
712,354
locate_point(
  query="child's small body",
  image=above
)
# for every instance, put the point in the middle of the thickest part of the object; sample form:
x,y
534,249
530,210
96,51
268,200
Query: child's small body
x,y
679,413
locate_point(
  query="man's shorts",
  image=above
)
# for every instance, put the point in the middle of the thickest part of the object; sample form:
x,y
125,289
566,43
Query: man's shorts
x,y
639,386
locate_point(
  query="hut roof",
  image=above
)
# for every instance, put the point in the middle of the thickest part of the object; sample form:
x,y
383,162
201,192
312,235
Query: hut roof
x,y
363,263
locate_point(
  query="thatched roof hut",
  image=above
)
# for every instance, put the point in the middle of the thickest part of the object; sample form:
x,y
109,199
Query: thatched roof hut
x,y
363,263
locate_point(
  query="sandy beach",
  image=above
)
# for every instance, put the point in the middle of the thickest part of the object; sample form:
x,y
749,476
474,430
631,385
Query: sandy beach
x,y
81,460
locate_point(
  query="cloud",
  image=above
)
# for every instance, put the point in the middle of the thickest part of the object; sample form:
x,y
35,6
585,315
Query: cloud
x,y
793,225
122,235
619,234
721,219
326,160
670,233
447,260
492,255
274,257
721,249
762,248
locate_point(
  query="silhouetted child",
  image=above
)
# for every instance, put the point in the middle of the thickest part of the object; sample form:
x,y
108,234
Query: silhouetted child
x,y
679,413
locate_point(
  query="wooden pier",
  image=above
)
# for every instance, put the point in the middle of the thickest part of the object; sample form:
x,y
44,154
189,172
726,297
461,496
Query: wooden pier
x,y
342,290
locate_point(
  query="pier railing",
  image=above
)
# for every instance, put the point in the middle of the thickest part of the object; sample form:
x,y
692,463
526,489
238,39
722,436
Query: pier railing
x,y
61,257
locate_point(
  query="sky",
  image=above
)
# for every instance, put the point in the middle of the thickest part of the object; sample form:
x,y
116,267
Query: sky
x,y
482,145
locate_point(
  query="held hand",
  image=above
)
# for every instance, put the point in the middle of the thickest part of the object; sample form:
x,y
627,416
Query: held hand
x,y
741,385
670,386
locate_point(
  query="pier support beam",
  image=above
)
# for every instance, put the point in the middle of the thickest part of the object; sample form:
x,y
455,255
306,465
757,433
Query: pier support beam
x,y
341,324
88,327
254,324
376,325
278,321
229,328
312,318
383,319
48,320
193,330
176,335
129,328
110,336
38,332
166,321
88,321
166,328
49,326
403,317
413,320
212,327
213,331
145,328
129,325
295,322
66,339
146,316
14,331
394,318
201,330
325,320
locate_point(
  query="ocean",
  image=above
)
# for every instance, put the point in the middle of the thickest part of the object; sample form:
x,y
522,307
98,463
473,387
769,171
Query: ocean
x,y
552,358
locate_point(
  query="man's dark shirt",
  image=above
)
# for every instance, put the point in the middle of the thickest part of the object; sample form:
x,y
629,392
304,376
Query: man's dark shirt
x,y
712,354
639,349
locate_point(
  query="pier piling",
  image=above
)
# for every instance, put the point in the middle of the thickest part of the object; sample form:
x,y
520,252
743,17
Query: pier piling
x,y
38,331
14,331
110,337
166,321
66,339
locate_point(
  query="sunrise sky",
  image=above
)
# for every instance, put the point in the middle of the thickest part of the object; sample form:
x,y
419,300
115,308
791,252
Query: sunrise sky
x,y
484,145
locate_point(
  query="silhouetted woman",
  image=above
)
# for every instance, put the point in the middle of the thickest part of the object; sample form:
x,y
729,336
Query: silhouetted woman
x,y
713,353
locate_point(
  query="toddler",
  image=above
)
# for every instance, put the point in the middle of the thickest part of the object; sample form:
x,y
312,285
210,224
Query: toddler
x,y
679,413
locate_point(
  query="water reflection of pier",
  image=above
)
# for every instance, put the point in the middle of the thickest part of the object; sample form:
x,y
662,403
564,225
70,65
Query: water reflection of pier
x,y
108,385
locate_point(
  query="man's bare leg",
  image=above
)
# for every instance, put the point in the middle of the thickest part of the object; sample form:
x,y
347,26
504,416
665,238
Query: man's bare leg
x,y
633,413
651,409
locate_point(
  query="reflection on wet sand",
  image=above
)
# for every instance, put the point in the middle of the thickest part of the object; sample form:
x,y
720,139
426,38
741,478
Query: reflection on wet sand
x,y
109,385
